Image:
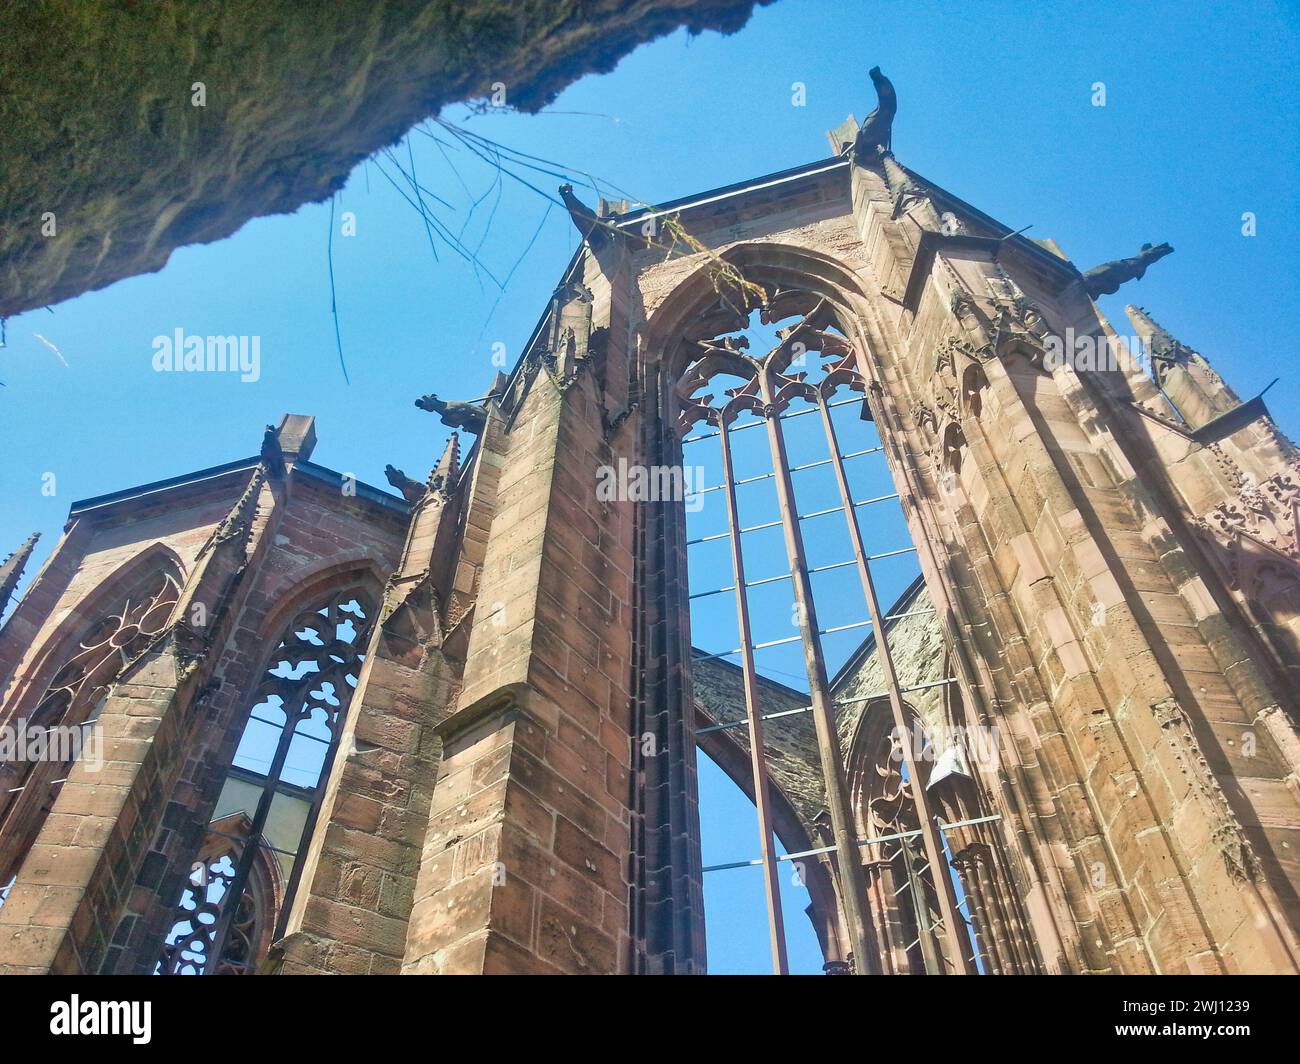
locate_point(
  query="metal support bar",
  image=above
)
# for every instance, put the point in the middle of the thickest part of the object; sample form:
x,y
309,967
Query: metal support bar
x,y
780,642
816,569
757,755
244,839
802,517
933,844
914,613
943,826
874,841
51,783
793,469
808,709
853,895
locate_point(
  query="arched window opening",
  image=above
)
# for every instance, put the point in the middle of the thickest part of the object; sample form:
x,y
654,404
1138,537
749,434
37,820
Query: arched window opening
x,y
207,892
775,395
910,927
973,382
60,728
734,897
953,445
242,882
991,927
794,539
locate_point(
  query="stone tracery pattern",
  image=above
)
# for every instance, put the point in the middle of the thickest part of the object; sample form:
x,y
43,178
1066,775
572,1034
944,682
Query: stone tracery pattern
x,y
304,693
911,935
899,883
725,356
207,893
111,644
78,688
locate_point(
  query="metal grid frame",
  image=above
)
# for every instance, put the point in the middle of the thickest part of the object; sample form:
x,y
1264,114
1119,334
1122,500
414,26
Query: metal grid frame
x,y
768,393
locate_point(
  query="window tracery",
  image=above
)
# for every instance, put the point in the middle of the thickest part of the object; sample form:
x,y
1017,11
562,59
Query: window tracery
x,y
911,932
915,907
72,701
206,893
242,883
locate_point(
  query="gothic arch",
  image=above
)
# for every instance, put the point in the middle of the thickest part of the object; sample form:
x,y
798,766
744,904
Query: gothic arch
x,y
315,643
973,382
909,934
102,636
786,267
210,878
37,675
692,340
954,446
995,928
355,567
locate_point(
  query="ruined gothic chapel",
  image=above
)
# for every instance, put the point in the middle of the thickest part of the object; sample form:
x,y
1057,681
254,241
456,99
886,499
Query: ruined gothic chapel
x,y
455,726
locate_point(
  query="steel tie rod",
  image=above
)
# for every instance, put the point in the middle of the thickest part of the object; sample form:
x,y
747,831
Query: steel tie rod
x,y
894,837
815,569
793,469
782,642
808,709
802,517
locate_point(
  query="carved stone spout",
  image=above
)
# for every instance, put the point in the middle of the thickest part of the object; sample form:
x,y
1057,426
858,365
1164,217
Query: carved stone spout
x,y
454,414
412,490
1105,279
878,127
593,228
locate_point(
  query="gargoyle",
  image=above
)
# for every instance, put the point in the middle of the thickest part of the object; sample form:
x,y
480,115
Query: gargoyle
x,y
877,130
412,490
1105,279
272,455
455,415
593,229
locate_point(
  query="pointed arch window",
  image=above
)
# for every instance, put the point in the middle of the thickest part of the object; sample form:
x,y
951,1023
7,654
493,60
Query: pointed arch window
x,y
911,934
997,926
91,663
242,881
806,538
990,928
844,534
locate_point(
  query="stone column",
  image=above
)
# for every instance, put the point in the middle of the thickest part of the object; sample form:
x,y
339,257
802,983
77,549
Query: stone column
x,y
524,863
357,881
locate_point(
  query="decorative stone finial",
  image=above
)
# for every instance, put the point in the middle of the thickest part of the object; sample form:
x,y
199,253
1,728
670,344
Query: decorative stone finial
x,y
443,476
11,570
1154,336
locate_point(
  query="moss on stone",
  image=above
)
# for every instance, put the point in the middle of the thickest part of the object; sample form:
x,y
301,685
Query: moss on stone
x,y
98,125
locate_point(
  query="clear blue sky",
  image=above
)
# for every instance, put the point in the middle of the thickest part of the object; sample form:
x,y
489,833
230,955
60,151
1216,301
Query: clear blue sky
x,y
1201,124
